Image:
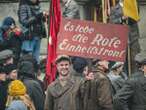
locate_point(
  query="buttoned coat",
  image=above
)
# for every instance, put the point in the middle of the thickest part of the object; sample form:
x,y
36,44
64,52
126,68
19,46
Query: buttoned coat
x,y
98,93
66,97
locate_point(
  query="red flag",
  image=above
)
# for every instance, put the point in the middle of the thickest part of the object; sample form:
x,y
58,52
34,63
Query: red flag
x,y
55,18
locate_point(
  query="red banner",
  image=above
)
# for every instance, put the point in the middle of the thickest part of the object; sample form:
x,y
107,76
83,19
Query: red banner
x,y
92,40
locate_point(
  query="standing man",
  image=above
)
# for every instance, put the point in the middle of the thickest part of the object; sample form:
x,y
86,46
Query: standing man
x,y
98,95
65,92
70,9
31,18
117,17
133,94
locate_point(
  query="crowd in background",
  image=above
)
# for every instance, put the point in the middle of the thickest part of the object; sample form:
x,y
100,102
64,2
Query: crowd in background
x,y
81,84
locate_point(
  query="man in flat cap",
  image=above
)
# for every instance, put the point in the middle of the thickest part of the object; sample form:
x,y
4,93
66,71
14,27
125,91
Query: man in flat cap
x,y
65,92
133,94
6,57
99,92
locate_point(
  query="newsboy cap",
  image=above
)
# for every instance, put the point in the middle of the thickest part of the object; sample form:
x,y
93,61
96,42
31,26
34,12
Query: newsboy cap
x,y
140,57
5,54
62,58
117,65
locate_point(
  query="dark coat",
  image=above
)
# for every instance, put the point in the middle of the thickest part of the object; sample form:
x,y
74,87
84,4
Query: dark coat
x,y
65,98
117,82
35,92
133,94
31,19
3,94
116,14
98,93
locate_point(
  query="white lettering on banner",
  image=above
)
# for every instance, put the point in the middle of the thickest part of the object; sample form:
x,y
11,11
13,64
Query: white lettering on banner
x,y
81,29
81,38
66,46
69,27
104,41
85,29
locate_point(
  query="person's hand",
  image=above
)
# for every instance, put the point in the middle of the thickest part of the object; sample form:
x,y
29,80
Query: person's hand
x,y
45,13
124,17
90,76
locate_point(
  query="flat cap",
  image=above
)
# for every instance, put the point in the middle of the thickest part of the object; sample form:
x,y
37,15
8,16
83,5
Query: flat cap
x,y
62,58
5,54
140,57
117,64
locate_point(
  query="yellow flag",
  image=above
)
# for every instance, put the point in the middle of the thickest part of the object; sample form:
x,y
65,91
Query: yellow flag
x,y
130,9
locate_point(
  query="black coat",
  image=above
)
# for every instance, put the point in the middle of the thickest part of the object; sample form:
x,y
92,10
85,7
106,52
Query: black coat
x,y
35,92
133,94
3,94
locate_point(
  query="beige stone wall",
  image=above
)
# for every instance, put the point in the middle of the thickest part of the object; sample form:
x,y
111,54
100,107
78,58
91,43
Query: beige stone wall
x,y
10,9
142,27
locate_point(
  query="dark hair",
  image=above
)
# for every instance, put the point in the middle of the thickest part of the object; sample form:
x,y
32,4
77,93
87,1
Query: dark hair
x,y
2,69
79,64
29,57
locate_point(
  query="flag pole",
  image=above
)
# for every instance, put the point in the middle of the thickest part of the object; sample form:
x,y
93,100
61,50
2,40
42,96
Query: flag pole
x,y
95,14
129,59
113,2
103,11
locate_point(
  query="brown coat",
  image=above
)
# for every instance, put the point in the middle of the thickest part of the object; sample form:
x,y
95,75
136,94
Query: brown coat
x,y
65,98
98,93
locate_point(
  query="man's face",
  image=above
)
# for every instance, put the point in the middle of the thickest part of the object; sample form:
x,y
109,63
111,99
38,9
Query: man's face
x,y
9,61
2,76
13,74
63,68
85,70
104,63
144,69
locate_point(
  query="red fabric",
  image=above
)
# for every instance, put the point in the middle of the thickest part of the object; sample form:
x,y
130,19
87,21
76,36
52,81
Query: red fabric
x,y
55,19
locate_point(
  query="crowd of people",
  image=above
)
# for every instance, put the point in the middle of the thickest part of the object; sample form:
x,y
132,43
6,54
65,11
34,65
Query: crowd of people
x,y
81,84
24,38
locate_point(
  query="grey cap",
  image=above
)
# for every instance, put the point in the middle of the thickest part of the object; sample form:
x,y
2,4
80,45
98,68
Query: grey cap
x,y
117,64
5,54
62,58
140,57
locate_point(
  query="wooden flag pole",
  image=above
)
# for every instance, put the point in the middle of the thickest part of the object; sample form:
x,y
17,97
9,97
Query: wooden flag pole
x,y
129,59
113,2
94,14
103,11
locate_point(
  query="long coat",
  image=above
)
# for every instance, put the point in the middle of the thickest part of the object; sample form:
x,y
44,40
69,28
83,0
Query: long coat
x,y
35,92
65,98
133,94
98,93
